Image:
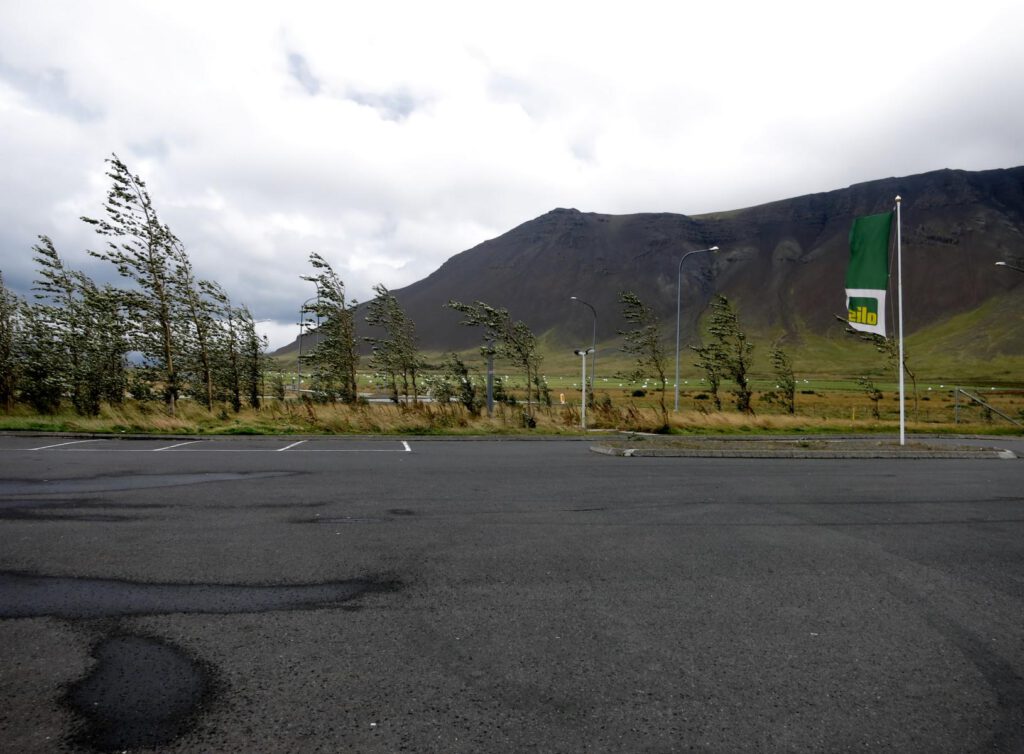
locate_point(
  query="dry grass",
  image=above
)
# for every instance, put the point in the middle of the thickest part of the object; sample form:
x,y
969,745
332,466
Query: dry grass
x,y
827,414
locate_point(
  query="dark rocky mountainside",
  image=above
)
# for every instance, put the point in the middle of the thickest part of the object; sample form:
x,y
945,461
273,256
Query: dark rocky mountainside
x,y
783,263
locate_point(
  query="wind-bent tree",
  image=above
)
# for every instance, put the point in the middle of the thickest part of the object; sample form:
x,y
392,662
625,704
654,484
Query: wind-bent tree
x,y
142,248
733,349
86,332
456,374
41,360
873,393
513,340
229,361
645,343
890,348
785,389
202,303
709,359
104,370
335,356
9,332
394,356
253,347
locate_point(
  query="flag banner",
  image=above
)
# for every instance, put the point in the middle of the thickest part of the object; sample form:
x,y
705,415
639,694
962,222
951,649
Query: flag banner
x,y
867,275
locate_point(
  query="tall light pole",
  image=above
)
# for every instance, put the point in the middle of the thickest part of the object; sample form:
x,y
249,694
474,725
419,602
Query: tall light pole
x,y
679,305
302,321
1012,267
593,350
582,353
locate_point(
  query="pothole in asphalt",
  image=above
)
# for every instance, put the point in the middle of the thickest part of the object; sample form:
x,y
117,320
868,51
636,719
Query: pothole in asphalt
x,y
27,596
141,693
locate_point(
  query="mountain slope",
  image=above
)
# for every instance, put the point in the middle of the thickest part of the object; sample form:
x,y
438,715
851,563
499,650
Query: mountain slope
x,y
783,263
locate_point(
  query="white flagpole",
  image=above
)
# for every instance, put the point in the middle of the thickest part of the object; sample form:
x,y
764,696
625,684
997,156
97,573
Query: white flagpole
x,y
899,298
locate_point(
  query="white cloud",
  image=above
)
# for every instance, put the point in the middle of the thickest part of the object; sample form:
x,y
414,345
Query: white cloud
x,y
389,137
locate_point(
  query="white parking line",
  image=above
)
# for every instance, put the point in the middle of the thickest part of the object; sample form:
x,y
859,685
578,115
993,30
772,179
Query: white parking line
x,y
190,442
181,447
60,444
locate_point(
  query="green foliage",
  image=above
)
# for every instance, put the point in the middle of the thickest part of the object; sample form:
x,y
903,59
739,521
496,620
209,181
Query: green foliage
x,y
890,348
735,350
41,370
335,356
873,394
394,356
277,385
785,390
513,340
143,250
728,355
457,373
84,346
709,359
204,307
645,343
251,357
71,342
9,341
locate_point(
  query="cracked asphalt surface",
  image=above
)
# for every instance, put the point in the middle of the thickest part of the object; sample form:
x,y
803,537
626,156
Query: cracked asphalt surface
x,y
374,596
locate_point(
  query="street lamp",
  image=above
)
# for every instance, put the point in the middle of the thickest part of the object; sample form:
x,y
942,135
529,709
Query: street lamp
x,y
679,289
302,321
582,353
1012,267
593,350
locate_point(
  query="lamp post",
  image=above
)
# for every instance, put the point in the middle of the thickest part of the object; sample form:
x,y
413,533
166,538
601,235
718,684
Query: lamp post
x,y
302,321
1012,267
582,353
679,289
593,350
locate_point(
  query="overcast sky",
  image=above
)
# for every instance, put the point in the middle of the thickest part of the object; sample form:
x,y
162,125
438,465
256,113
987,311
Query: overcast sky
x,y
389,136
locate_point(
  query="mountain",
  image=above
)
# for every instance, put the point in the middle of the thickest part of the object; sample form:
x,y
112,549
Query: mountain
x,y
782,263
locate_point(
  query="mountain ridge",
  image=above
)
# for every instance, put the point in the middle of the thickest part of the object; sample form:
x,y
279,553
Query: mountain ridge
x,y
782,262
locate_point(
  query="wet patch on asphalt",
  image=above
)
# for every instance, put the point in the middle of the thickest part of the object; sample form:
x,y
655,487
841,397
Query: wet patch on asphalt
x,y
69,510
143,692
392,514
104,511
126,482
25,595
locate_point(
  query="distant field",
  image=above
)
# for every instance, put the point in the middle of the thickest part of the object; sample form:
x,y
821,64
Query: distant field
x,y
822,406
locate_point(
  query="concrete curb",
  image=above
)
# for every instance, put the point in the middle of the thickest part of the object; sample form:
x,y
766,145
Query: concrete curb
x,y
908,454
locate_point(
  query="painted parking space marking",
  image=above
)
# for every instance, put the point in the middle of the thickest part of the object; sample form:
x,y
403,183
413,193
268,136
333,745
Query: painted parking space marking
x,y
179,445
62,444
325,445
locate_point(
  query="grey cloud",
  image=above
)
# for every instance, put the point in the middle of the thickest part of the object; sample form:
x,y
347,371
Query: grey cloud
x,y
48,90
395,106
299,69
155,148
531,96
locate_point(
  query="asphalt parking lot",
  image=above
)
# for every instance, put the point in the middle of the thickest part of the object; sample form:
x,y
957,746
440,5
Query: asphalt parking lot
x,y
337,594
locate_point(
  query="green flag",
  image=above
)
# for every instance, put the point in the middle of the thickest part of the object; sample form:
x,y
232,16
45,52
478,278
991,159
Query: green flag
x,y
867,275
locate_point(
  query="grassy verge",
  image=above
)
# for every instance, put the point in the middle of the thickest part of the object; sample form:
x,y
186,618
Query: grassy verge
x,y
833,412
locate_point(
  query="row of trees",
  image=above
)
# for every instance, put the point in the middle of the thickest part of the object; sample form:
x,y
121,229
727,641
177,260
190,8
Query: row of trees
x,y
726,355
74,338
